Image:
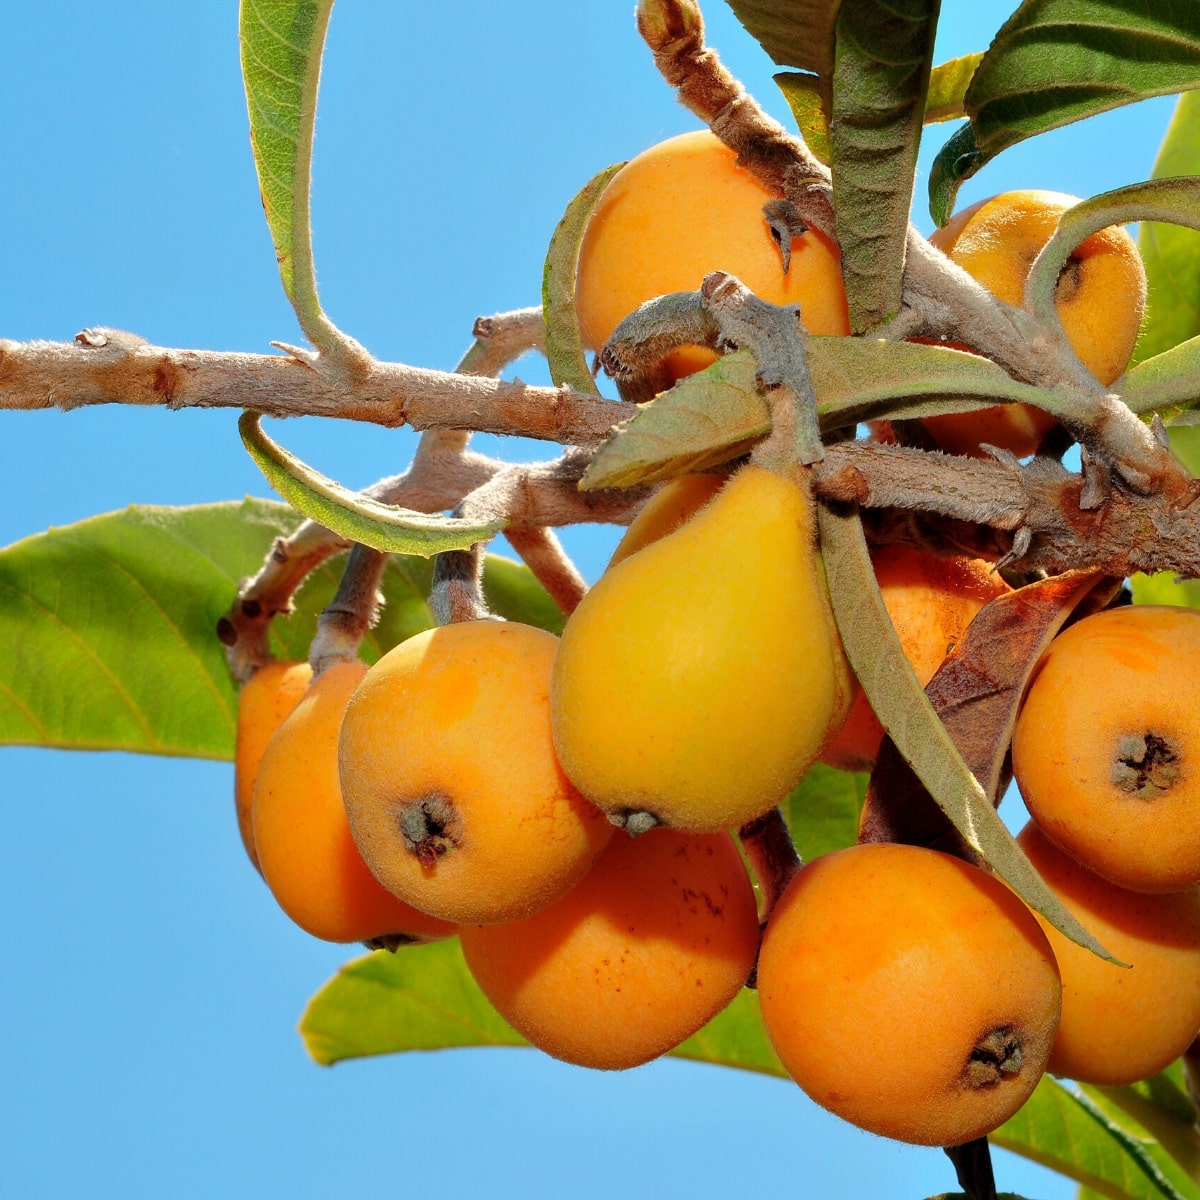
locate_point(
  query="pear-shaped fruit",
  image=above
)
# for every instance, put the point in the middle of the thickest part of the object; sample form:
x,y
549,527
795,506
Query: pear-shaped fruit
x,y
701,676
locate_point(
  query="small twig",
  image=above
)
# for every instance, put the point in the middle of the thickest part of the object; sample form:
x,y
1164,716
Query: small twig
x,y
547,493
243,631
352,612
543,554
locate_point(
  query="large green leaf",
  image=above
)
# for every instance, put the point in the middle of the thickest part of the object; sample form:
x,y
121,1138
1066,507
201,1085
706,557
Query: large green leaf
x,y
423,998
794,35
882,60
351,514
1065,1132
1171,253
1058,61
822,810
108,626
1159,1115
564,347
281,43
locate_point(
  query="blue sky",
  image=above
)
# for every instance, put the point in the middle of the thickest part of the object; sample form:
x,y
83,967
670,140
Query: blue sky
x,y
151,987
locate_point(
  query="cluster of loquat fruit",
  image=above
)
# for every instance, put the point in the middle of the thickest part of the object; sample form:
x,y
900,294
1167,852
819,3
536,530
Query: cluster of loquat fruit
x,y
565,805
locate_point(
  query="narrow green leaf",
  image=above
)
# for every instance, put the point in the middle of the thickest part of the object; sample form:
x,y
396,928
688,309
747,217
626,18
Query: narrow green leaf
x,y
108,627
883,56
1173,200
704,420
719,413
423,998
794,35
1172,254
1058,61
1055,1128
958,159
1168,380
822,810
352,515
948,83
861,379
944,102
281,47
898,699
564,347
803,94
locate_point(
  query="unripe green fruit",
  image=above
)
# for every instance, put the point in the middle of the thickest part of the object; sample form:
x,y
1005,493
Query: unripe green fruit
x,y
700,677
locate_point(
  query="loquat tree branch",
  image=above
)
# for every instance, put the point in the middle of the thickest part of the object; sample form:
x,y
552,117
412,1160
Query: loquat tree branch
x,y
1037,514
110,367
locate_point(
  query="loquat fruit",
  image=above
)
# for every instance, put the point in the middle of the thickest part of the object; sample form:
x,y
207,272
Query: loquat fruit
x,y
265,700
450,781
678,211
654,941
306,853
700,677
1120,1024
1106,750
908,992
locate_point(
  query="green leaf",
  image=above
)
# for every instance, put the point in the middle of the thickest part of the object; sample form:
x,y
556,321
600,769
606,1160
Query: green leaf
x,y
794,35
861,379
109,629
803,95
1160,1116
1168,380
1172,254
281,45
423,998
352,515
944,101
883,56
108,626
1065,1132
564,346
719,413
704,420
822,810
1058,61
948,83
958,159
874,652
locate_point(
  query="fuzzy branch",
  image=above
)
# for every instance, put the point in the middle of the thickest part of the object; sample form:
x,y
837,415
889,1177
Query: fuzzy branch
x,y
1035,513
109,367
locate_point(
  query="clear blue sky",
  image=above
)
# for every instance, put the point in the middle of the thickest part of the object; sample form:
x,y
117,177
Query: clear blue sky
x,y
151,988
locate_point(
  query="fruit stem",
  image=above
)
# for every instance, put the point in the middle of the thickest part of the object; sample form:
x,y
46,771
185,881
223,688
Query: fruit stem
x,y
353,611
973,1166
457,591
773,857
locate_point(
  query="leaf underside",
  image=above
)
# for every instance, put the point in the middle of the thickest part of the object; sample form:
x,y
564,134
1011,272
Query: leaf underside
x,y
883,56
